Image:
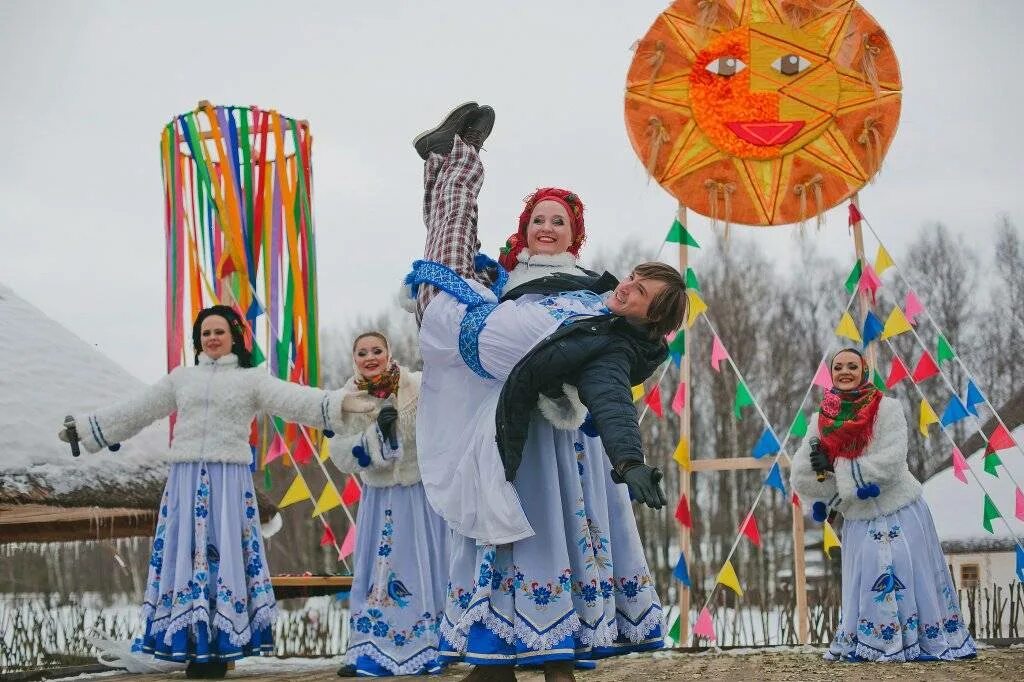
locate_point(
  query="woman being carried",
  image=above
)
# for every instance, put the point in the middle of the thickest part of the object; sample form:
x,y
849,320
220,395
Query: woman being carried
x,y
898,599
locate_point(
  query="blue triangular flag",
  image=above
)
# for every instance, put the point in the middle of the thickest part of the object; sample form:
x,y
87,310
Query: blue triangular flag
x,y
255,310
767,444
1020,563
775,479
955,411
872,328
681,573
677,358
974,398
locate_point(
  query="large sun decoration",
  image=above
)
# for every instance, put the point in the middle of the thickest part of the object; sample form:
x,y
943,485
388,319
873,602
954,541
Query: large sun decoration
x,y
763,112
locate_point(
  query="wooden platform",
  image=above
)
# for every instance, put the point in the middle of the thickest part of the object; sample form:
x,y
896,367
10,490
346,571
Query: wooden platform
x,y
292,586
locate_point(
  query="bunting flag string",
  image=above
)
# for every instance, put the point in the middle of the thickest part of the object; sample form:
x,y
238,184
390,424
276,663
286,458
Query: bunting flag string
x,y
830,540
1019,504
943,351
799,427
329,499
847,328
349,544
925,368
691,280
681,572
872,328
718,353
926,417
678,234
653,400
766,445
682,453
897,372
774,479
679,399
853,279
896,324
743,399
695,307
954,412
704,627
683,512
959,465
974,398
749,529
297,492
352,493
328,537
727,576
823,377
989,513
883,261
869,283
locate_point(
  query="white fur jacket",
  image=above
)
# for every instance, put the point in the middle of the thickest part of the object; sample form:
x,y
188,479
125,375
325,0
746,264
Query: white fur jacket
x,y
883,464
359,446
216,401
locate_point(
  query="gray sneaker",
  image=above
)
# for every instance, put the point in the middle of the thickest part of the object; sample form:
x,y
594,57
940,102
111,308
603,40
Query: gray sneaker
x,y
478,126
438,140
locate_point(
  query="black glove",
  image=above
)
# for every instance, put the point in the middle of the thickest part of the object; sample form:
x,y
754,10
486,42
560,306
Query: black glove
x,y
386,421
644,484
819,460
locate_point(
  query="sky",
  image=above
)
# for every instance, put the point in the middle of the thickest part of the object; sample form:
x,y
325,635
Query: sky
x,y
87,87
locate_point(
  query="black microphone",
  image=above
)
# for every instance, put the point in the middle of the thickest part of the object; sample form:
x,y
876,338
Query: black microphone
x,y
816,447
393,434
72,431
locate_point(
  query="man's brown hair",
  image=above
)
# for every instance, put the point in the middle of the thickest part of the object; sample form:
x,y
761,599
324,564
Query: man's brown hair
x,y
667,310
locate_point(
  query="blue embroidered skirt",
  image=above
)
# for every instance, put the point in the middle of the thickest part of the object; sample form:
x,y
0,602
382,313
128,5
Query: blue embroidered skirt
x,y
208,594
898,598
401,565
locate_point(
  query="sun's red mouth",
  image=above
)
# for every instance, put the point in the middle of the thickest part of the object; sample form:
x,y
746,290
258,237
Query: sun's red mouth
x,y
765,133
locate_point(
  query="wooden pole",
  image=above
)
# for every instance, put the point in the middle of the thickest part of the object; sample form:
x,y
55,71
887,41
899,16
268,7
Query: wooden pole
x,y
684,432
865,304
803,620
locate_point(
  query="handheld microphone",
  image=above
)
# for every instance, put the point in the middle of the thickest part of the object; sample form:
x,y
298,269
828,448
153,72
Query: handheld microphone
x,y
816,447
69,426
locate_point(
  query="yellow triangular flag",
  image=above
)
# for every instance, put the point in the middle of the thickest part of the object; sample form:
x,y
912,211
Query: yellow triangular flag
x,y
682,453
325,449
695,307
831,540
848,328
329,499
727,577
928,417
297,492
883,261
638,392
896,324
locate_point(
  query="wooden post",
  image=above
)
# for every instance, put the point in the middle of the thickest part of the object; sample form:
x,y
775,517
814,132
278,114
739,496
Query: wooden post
x,y
803,620
684,432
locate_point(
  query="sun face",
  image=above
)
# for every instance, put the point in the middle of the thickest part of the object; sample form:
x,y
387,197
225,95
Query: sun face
x,y
771,102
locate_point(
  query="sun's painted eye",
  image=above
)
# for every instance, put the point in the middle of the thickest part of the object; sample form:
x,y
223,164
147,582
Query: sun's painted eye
x,y
791,64
726,66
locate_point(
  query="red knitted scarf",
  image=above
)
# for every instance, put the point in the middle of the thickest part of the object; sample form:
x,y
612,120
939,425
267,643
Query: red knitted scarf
x,y
846,420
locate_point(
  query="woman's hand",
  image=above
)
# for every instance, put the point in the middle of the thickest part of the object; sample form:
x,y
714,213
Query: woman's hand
x,y
819,460
387,420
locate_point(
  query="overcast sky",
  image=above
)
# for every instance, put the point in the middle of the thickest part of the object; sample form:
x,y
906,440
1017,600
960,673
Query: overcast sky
x,y
86,88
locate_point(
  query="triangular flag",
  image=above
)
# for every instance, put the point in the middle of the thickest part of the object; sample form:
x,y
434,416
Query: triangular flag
x,y
943,350
926,418
653,401
328,537
883,261
954,412
830,540
329,499
799,427
704,627
775,479
897,372
679,400
795,500
727,577
1000,439
277,448
743,399
691,279
991,462
681,573
638,392
876,379
974,398
847,328
325,449
1019,506
912,307
677,234
869,283
673,632
256,355
683,512
1020,563
749,529
268,482
990,512
682,453
254,311
767,444
872,328
348,545
677,346
226,266
853,279
303,453
695,306
959,465
823,377
718,353
297,492
925,369
351,493
896,324
855,216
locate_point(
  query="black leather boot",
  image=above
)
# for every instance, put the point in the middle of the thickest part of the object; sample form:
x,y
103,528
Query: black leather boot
x,y
438,140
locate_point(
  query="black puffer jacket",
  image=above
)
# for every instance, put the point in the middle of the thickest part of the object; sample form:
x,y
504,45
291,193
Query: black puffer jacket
x,y
559,282
604,357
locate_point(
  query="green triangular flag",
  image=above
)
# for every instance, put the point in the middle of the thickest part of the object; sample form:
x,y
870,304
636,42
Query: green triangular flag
x,y
743,399
678,345
691,279
853,279
879,382
673,632
799,427
990,513
677,234
944,351
257,355
267,483
991,462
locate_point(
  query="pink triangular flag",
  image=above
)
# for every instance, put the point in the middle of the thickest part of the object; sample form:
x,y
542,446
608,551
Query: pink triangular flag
x,y
277,448
1020,505
718,353
704,627
959,465
912,308
823,377
869,281
349,544
679,401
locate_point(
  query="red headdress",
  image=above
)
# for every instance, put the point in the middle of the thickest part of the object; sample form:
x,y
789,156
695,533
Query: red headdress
x,y
573,207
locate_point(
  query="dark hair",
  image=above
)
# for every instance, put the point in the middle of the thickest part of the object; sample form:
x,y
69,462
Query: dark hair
x,y
373,334
235,325
667,309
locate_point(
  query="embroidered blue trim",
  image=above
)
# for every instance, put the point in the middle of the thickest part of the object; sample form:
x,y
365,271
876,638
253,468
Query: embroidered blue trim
x,y
445,279
98,432
482,261
324,408
473,323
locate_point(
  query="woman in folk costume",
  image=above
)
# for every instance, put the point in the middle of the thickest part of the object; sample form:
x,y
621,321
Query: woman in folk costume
x,y
547,565
208,596
401,553
898,599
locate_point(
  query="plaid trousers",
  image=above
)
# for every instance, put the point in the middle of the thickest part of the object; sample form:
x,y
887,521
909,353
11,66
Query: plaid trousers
x,y
451,185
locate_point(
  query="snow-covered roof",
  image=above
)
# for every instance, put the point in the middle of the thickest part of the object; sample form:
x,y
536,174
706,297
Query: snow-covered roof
x,y
46,372
957,507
